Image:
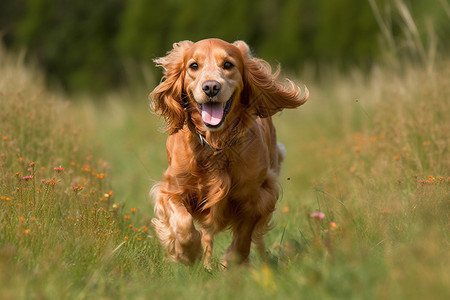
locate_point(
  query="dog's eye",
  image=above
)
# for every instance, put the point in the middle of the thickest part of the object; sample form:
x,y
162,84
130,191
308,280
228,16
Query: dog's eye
x,y
227,65
193,66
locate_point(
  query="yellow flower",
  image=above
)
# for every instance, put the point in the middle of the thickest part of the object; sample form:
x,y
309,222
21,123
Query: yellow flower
x,y
264,278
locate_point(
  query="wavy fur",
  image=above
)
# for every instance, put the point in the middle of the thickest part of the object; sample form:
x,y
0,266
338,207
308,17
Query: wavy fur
x,y
230,182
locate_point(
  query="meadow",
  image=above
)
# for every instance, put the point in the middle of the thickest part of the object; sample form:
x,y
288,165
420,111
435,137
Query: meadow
x,y
364,212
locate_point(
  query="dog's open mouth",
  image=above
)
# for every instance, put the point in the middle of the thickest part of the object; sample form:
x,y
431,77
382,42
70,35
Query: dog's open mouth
x,y
214,113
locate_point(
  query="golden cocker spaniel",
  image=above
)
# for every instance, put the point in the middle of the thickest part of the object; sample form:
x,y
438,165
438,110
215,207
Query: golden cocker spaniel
x,y
224,160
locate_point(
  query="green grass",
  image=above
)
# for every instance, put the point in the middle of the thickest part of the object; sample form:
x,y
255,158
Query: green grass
x,y
361,151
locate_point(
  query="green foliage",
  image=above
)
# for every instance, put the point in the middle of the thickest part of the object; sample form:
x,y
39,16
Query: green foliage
x,y
89,45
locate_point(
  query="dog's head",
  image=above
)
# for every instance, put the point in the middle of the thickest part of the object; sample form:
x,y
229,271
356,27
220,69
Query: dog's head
x,y
215,84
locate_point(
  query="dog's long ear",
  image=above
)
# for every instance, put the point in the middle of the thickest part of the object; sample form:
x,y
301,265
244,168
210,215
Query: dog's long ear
x,y
262,92
167,96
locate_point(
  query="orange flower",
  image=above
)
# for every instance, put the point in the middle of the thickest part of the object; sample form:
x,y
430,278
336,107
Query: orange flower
x,y
133,209
397,157
26,231
100,176
5,138
127,217
286,209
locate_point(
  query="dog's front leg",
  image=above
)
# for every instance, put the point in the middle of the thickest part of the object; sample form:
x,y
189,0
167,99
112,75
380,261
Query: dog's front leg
x,y
175,228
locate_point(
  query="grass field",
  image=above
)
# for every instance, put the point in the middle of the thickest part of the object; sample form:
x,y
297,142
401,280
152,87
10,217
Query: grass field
x,y
370,151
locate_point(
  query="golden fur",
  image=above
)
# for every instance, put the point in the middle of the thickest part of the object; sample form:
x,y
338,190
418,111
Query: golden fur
x,y
223,175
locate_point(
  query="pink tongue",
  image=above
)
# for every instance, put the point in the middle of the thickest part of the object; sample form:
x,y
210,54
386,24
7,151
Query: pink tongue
x,y
212,113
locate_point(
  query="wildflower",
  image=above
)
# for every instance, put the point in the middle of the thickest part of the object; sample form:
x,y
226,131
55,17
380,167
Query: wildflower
x,y
144,228
286,209
31,164
5,138
26,231
352,170
100,176
427,143
77,188
3,197
139,239
127,217
385,211
59,169
265,278
373,139
115,206
126,238
21,219
317,215
27,177
133,209
106,195
53,182
357,148
397,157
333,225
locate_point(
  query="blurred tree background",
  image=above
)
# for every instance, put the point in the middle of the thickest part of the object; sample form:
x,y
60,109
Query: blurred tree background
x,y
86,45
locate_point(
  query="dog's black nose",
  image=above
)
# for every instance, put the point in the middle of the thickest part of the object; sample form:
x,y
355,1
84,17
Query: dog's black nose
x,y
211,88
